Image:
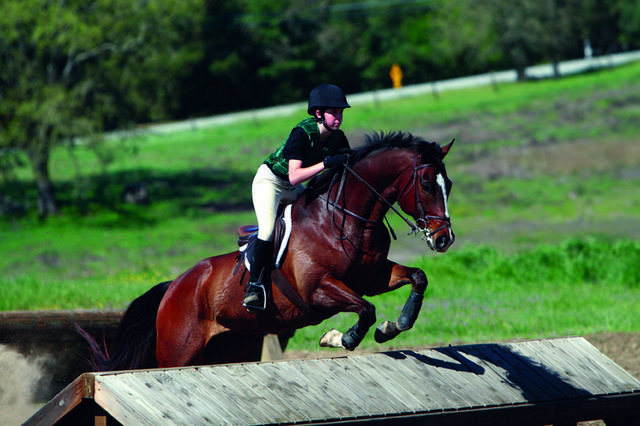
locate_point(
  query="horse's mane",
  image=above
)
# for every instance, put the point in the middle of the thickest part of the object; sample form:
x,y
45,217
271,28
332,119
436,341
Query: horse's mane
x,y
380,141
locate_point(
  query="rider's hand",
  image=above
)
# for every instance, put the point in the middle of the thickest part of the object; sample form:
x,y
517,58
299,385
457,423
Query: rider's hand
x,y
336,160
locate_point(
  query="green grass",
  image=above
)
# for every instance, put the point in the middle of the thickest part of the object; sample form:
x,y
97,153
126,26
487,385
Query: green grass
x,y
480,294
538,168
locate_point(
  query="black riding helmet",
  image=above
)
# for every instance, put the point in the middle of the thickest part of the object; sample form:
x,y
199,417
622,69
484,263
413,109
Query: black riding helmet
x,y
326,96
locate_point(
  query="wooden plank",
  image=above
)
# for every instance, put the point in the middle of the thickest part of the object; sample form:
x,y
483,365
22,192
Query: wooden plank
x,y
166,408
64,402
588,374
457,377
307,390
271,396
180,397
497,388
435,393
126,397
284,392
203,393
21,327
369,391
156,390
215,398
488,384
327,384
240,392
121,402
367,376
610,372
563,367
454,377
11,321
568,412
519,371
405,389
505,375
313,392
549,369
504,388
438,395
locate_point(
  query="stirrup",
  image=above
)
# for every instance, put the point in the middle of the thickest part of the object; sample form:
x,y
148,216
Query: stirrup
x,y
258,290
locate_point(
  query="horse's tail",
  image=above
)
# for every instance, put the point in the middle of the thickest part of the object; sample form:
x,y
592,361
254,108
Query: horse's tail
x,y
135,341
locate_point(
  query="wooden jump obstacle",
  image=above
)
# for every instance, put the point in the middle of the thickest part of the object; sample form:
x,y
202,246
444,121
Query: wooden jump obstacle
x,y
541,382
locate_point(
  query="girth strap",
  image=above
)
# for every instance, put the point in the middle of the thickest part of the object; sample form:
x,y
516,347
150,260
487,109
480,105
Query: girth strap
x,y
289,291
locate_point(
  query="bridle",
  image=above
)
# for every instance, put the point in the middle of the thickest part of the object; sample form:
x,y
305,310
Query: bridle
x,y
422,223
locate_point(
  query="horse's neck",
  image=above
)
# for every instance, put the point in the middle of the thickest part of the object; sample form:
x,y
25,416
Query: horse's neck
x,y
369,193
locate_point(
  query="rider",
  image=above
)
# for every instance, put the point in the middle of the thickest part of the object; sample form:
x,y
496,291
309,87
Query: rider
x,y
314,144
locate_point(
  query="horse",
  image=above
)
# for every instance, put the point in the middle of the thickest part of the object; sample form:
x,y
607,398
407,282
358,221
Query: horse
x,y
336,254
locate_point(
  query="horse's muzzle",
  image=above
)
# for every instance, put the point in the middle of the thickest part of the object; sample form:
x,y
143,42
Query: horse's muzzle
x,y
441,240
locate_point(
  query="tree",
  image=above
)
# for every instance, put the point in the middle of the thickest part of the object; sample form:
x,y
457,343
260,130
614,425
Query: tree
x,y
561,29
614,25
517,27
73,68
464,39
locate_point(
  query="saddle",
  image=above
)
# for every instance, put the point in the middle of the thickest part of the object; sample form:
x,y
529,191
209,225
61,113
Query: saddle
x,y
247,234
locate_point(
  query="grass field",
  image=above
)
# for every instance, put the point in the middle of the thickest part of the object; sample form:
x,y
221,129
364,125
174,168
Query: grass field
x,y
545,208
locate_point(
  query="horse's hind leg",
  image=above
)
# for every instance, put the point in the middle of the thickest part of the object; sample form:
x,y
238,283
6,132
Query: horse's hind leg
x,y
399,276
177,347
181,336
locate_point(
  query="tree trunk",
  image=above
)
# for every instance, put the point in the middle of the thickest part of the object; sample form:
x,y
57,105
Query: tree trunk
x,y
556,68
39,157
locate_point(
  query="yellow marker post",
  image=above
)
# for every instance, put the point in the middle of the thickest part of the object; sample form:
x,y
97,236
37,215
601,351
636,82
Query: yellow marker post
x,y
396,76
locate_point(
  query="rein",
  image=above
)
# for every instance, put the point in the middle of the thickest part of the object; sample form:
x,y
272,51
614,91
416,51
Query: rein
x,y
422,223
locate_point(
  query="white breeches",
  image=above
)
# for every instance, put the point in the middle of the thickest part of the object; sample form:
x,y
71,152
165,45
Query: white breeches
x,y
268,192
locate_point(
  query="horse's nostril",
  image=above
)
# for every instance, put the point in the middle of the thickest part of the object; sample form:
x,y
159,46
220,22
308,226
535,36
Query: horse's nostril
x,y
441,242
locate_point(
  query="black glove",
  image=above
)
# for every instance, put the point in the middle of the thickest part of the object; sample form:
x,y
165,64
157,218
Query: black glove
x,y
336,160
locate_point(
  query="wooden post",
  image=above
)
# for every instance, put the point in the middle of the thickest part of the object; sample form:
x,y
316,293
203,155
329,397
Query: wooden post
x,y
271,350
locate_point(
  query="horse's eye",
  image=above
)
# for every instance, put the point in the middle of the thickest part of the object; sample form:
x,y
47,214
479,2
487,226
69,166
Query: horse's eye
x,y
426,186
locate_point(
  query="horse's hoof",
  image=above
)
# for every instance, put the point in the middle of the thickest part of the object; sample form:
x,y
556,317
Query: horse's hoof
x,y
331,339
386,331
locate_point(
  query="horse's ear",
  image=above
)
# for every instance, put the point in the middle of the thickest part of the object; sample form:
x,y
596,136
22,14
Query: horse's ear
x,y
445,149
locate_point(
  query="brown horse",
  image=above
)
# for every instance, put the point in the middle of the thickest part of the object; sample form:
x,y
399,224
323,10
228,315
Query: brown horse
x,y
336,254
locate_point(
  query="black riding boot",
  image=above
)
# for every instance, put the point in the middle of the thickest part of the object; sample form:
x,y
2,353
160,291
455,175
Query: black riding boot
x,y
260,256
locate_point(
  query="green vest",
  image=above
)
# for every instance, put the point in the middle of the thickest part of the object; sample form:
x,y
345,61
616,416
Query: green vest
x,y
316,153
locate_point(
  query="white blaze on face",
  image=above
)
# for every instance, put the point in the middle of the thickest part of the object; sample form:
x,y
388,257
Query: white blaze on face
x,y
443,187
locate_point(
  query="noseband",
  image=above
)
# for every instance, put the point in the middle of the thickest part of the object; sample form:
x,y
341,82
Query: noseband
x,y
422,223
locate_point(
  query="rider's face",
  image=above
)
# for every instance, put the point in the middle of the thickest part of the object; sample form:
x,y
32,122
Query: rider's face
x,y
333,118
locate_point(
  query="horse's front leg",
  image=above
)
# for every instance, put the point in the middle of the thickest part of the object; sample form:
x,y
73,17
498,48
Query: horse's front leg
x,y
334,295
399,276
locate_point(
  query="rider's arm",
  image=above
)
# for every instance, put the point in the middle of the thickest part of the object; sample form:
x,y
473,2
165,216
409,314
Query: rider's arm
x,y
294,150
299,174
